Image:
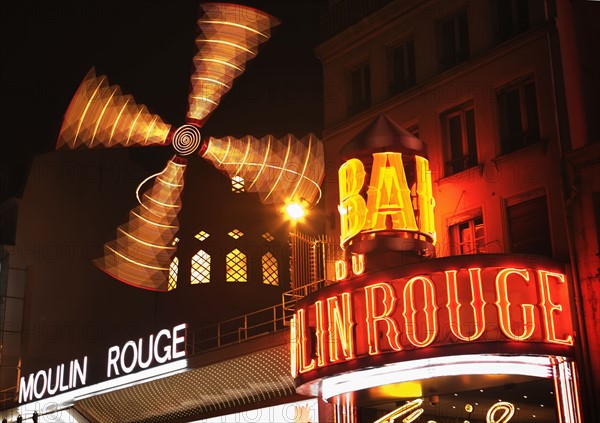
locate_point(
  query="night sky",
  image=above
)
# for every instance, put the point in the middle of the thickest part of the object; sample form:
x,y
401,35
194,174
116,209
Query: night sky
x,y
146,47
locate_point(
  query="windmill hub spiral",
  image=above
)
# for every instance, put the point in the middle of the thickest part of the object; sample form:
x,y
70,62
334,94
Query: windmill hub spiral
x,y
186,139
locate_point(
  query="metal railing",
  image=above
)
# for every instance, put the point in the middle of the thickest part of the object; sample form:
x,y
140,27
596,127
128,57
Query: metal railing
x,y
251,325
236,330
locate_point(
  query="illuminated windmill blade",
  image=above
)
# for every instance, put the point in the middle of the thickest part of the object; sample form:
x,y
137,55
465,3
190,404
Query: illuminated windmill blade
x,y
280,170
100,115
143,250
230,36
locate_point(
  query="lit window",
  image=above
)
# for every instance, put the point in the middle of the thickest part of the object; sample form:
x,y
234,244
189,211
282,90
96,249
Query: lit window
x,y
175,241
201,236
236,267
200,268
237,184
402,67
453,40
518,115
173,274
236,234
269,269
268,237
468,237
459,135
359,88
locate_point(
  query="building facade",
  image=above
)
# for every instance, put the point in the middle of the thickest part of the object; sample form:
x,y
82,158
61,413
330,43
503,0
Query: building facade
x,y
497,97
499,93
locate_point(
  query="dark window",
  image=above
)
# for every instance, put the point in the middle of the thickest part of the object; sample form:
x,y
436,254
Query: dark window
x,y
468,237
518,116
360,88
460,142
453,40
511,18
402,67
529,227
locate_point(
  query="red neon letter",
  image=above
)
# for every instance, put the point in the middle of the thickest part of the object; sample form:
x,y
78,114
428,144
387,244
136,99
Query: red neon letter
x,y
504,305
477,304
301,351
320,333
388,301
429,308
340,327
548,307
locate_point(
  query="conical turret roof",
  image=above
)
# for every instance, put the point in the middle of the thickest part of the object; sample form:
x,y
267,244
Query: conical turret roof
x,y
383,134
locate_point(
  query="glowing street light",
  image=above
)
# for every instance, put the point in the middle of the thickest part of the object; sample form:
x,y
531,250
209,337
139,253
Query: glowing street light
x,y
295,211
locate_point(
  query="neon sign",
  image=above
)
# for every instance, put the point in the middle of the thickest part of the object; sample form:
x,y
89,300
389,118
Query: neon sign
x,y
372,315
390,204
166,345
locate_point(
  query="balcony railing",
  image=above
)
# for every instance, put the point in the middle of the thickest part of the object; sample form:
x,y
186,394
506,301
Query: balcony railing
x,y
251,325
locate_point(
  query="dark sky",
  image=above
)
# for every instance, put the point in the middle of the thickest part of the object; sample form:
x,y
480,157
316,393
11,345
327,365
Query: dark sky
x,y
146,47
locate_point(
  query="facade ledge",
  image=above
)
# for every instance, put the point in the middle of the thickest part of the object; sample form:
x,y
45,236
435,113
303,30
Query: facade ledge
x,y
539,147
467,175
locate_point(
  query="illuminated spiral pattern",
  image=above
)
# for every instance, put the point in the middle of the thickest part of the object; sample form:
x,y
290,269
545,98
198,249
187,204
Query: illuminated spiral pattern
x,y
186,139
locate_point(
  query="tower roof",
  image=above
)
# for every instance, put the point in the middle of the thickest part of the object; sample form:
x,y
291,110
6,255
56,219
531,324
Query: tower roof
x,y
383,134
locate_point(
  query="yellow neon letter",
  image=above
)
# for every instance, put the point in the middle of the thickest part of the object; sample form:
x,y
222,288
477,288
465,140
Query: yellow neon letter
x,y
358,264
341,270
425,200
504,305
389,195
388,301
353,210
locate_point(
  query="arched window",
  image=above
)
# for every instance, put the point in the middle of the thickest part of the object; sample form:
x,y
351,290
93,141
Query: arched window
x,y
270,269
236,268
173,274
237,184
200,268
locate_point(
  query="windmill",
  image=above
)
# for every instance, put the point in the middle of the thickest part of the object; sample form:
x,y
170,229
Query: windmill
x,y
101,115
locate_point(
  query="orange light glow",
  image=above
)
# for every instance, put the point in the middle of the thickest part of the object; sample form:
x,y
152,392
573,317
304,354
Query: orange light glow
x,y
503,304
477,305
228,39
100,115
549,308
143,251
373,317
283,171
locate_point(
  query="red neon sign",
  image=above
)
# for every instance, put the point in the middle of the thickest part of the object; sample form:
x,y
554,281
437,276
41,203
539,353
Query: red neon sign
x,y
371,316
